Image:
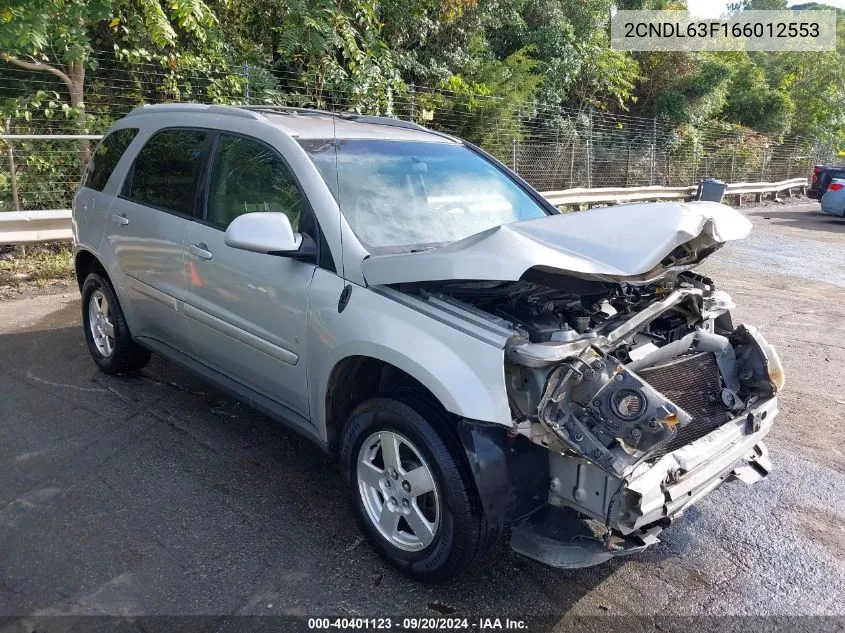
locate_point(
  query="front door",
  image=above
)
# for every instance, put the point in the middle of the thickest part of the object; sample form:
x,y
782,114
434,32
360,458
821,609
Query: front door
x,y
246,312
147,231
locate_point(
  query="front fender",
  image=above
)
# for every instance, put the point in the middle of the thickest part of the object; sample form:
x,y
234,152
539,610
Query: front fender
x,y
464,373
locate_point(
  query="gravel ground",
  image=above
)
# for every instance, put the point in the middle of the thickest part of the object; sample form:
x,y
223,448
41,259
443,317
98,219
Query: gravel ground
x,y
154,494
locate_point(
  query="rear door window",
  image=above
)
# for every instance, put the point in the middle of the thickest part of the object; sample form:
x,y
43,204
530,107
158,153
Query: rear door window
x,y
166,171
106,157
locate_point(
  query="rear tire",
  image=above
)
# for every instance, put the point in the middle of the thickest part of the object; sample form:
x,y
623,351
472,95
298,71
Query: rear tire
x,y
430,535
106,332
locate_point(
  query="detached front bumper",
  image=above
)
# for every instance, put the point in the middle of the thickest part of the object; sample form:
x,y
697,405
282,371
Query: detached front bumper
x,y
733,451
595,516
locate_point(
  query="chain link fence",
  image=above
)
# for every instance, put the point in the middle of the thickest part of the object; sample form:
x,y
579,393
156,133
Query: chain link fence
x,y
552,148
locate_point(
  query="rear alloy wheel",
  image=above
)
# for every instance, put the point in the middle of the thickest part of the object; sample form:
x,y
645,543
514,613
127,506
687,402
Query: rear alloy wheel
x,y
100,323
106,332
413,494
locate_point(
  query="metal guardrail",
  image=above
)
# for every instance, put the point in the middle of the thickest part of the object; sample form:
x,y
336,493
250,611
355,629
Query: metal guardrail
x,y
28,227
50,137
618,195
740,189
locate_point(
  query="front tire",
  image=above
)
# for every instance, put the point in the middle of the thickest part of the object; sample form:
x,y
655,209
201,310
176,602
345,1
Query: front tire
x,y
106,332
412,494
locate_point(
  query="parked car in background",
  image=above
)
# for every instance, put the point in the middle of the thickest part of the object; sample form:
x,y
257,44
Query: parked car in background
x,y
822,177
473,358
833,200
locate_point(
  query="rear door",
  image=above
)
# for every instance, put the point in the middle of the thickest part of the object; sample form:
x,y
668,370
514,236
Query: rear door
x,y
246,312
148,224
92,202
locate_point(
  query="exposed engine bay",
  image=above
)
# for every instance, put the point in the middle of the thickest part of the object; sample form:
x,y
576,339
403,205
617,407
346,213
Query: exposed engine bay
x,y
625,392
638,390
580,362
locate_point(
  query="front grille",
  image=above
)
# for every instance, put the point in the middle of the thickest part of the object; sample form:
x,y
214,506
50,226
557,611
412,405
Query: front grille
x,y
692,382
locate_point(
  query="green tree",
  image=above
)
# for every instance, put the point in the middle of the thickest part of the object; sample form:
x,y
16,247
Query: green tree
x,y
54,36
331,47
751,102
487,104
757,5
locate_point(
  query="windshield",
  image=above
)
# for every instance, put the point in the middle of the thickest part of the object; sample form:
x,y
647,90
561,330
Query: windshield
x,y
405,195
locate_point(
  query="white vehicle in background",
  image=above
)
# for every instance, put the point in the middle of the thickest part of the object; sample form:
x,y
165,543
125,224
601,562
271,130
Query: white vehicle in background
x,y
473,358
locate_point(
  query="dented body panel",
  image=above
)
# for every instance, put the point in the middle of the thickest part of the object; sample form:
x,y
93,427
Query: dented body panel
x,y
624,241
643,403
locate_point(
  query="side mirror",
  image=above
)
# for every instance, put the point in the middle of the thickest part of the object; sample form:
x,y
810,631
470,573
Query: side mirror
x,y
268,233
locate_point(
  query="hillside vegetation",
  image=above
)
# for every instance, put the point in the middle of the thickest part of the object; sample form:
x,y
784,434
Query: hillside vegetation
x,y
483,69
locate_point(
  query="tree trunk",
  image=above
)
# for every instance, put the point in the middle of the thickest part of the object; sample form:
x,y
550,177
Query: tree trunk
x,y
76,90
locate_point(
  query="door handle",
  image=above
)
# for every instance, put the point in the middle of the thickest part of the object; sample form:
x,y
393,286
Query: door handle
x,y
200,250
120,220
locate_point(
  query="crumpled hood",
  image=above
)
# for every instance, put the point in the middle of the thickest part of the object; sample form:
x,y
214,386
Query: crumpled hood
x,y
623,241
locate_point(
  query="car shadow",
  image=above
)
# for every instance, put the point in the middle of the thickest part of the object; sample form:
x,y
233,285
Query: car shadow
x,y
155,493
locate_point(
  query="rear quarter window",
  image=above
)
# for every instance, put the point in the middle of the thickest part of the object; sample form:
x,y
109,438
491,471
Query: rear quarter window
x,y
106,157
166,170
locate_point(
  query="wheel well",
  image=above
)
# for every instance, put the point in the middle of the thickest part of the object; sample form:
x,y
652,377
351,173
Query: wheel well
x,y
359,378
85,263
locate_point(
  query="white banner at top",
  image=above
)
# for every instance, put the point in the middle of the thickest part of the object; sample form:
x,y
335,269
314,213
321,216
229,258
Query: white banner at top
x,y
811,30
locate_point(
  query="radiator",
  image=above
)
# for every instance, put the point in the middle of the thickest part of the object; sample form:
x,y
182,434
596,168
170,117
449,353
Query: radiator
x,y
692,382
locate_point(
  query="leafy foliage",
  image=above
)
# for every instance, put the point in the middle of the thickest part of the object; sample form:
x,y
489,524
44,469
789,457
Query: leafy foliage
x,y
339,52
478,68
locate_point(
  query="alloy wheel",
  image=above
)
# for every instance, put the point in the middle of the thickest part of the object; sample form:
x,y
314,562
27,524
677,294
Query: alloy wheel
x,y
398,490
100,323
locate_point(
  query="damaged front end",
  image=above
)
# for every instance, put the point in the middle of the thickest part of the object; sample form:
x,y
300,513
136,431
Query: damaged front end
x,y
630,401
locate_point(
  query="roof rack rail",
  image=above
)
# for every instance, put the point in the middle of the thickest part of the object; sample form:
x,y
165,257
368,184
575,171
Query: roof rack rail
x,y
155,108
402,123
255,112
351,116
281,108
382,120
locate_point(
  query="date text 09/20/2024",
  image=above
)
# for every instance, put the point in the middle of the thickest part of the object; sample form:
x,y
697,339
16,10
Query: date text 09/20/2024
x,y
419,623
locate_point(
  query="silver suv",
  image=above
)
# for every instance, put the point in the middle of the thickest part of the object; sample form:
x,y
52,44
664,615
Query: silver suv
x,y
474,358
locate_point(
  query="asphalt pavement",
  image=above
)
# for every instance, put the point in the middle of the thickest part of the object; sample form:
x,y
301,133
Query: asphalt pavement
x,y
154,494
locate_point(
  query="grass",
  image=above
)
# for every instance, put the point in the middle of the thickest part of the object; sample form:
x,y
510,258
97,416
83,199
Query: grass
x,y
40,264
